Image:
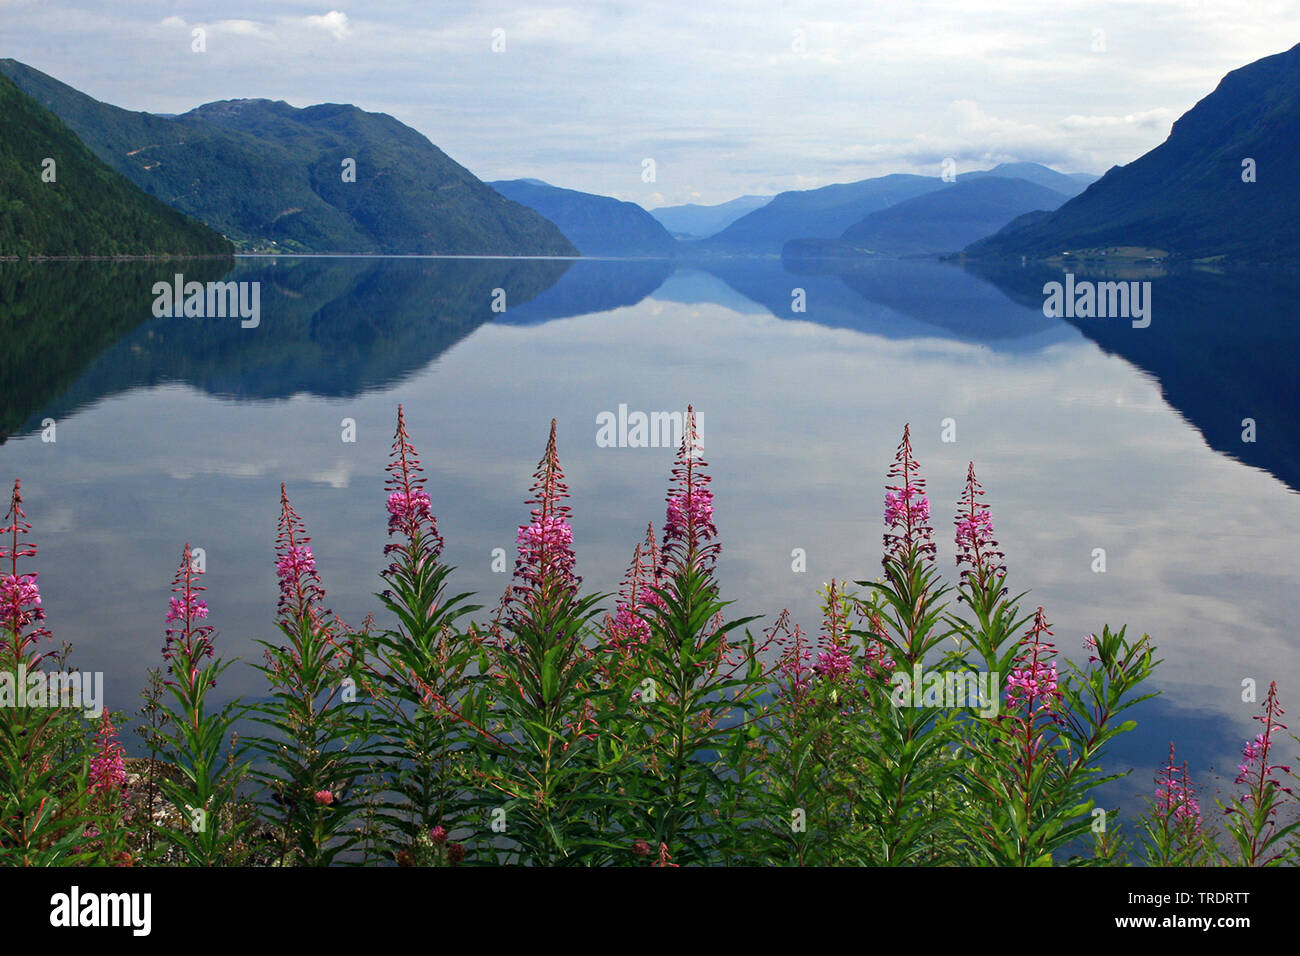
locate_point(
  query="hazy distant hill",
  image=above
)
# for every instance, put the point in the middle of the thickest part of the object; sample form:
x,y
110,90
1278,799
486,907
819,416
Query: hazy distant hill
x,y
1187,196
87,209
1068,184
827,211
693,221
270,176
596,225
945,220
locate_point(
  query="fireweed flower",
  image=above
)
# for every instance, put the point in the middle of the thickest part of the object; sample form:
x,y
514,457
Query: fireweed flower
x,y
689,520
410,511
876,658
1175,797
794,656
295,565
108,766
665,858
1255,768
1090,644
1032,683
20,596
833,663
907,510
977,549
546,559
836,660
626,629
191,641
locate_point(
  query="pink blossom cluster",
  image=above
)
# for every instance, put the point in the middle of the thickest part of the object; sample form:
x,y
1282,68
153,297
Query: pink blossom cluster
x,y
976,546
627,627
975,532
692,509
1033,680
833,663
795,666
879,663
1254,753
20,601
108,766
296,561
295,565
408,506
185,607
1175,796
193,608
901,509
1037,683
546,546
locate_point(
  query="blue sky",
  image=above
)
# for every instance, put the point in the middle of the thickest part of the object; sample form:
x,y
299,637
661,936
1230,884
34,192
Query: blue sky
x,y
727,98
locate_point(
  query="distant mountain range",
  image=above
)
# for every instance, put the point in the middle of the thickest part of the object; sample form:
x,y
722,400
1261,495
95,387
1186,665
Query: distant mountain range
x,y
826,213
943,220
1067,184
60,200
596,225
823,212
271,177
1190,197
693,221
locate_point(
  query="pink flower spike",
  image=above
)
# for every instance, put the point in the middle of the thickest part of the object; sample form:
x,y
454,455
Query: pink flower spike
x,y
688,523
21,612
108,766
189,640
907,510
410,511
295,566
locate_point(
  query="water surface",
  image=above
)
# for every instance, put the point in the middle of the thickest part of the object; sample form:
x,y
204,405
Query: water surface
x,y
1086,434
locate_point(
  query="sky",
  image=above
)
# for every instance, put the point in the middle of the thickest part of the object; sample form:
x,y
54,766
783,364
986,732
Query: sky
x,y
726,98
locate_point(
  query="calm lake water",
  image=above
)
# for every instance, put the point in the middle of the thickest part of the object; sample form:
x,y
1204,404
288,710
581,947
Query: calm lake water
x,y
1086,434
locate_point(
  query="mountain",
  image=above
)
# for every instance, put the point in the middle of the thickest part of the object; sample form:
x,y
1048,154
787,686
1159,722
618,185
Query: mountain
x,y
945,220
827,211
693,221
270,176
596,225
86,209
1187,197
1068,184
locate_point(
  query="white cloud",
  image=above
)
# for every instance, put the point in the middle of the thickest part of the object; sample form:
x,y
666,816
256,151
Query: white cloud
x,y
246,28
335,23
